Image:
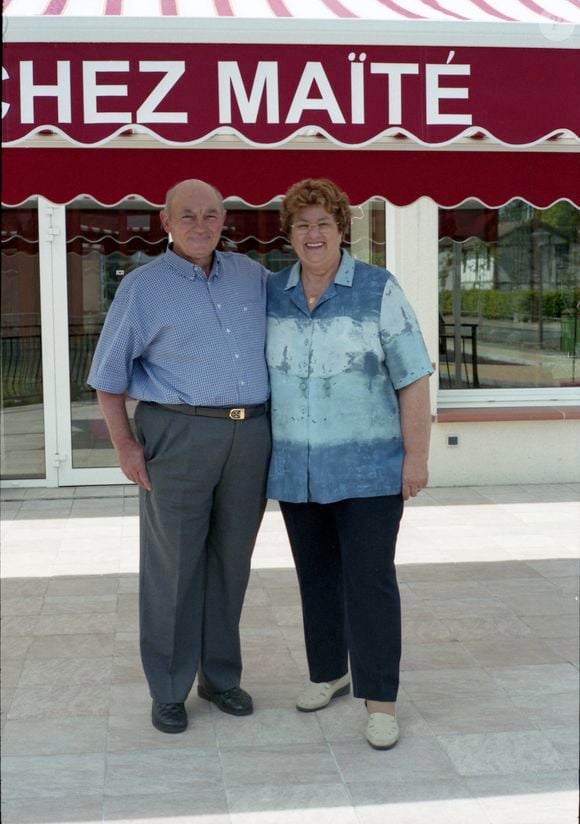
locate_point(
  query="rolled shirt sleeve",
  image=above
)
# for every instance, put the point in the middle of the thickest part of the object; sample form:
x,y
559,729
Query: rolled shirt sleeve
x,y
406,355
118,347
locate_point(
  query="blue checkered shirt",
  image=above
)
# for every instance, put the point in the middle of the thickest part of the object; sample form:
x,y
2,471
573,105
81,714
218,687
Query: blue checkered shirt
x,y
173,335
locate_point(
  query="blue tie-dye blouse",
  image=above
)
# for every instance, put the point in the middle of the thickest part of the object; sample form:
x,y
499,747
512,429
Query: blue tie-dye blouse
x,y
334,380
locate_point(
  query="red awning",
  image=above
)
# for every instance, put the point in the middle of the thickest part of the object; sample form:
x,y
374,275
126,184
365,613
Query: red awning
x,y
258,175
183,93
184,71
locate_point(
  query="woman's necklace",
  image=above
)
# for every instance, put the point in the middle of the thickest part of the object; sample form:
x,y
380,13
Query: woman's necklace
x,y
313,294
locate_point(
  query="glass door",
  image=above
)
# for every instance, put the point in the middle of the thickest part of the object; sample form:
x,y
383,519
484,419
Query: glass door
x,y
103,244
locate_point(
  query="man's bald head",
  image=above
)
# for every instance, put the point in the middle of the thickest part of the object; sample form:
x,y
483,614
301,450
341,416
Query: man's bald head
x,y
192,187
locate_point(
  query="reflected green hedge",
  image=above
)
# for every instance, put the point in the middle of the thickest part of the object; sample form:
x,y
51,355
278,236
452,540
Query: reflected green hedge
x,y
520,304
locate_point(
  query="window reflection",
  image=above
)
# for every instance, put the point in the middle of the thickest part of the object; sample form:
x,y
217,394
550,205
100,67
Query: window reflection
x,y
103,245
256,232
366,240
22,442
509,297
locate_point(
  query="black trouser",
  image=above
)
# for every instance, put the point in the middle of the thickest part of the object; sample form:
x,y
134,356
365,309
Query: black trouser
x,y
198,526
345,559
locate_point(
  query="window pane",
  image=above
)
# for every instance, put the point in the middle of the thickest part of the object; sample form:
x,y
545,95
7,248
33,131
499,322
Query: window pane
x,y
509,297
257,233
367,233
22,436
103,245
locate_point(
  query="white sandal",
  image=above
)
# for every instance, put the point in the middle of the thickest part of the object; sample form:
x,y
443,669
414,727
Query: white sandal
x,y
317,696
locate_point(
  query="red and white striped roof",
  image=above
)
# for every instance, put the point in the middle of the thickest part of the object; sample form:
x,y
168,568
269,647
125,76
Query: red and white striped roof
x,y
522,11
541,169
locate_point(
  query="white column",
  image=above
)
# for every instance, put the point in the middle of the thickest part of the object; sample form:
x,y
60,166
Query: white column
x,y
412,256
52,251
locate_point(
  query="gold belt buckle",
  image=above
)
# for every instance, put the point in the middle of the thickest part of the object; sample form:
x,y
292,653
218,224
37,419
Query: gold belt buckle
x,y
237,414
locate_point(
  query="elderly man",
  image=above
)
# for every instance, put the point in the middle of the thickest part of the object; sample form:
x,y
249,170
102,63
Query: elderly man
x,y
185,336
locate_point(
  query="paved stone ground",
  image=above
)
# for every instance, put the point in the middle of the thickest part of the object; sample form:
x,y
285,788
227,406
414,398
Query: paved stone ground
x,y
488,704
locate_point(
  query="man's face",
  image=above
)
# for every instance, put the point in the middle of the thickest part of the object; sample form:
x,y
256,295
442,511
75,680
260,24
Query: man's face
x,y
194,219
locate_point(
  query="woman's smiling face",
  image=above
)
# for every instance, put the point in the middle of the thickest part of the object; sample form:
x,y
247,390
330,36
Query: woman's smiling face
x,y
316,238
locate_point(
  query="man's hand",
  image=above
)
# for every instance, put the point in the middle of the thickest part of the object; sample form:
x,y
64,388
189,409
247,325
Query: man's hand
x,y
132,462
129,451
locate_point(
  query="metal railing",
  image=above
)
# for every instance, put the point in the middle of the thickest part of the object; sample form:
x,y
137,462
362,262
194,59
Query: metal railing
x,y
21,358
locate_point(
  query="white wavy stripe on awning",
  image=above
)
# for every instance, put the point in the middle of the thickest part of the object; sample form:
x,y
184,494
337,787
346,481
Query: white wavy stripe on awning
x,y
523,11
465,202
394,131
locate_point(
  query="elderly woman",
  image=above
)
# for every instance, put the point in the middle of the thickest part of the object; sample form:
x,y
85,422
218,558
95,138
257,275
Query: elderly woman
x,y
350,421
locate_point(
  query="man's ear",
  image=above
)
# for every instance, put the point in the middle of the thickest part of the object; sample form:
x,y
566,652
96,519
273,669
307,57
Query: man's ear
x,y
164,220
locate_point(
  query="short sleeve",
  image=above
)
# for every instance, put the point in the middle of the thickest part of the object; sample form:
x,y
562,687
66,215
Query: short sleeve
x,y
118,346
406,355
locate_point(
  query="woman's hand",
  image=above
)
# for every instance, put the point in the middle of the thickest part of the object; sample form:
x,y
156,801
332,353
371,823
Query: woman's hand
x,y
415,426
415,476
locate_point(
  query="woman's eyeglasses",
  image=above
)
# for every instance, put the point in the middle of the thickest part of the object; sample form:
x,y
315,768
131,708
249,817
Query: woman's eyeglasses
x,y
324,226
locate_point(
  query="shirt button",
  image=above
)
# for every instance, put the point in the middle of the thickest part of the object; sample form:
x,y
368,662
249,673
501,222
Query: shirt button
x,y
228,331
302,386
236,355
245,308
219,306
243,383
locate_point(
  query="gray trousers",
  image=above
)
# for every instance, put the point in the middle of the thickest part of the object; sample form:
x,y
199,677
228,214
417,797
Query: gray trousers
x,y
198,527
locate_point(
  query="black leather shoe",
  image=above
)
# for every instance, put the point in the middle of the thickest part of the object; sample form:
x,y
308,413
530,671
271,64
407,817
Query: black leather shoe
x,y
234,701
169,717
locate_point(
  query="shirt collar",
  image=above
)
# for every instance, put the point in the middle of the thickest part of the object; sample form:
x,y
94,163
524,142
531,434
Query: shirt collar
x,y
187,269
344,275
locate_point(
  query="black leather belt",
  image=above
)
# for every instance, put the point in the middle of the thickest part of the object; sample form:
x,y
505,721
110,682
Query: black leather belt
x,y
234,413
